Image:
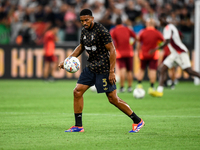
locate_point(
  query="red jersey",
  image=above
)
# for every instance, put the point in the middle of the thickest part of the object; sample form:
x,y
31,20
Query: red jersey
x,y
149,39
121,36
166,51
49,43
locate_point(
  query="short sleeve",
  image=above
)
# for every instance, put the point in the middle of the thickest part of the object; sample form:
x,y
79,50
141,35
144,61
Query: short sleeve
x,y
140,35
132,33
167,33
51,36
81,37
104,36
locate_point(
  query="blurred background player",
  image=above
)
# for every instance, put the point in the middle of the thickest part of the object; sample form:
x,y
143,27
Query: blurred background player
x,y
179,54
171,73
121,36
50,60
147,40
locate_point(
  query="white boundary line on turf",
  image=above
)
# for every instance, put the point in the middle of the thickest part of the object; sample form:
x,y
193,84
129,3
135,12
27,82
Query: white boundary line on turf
x,y
90,114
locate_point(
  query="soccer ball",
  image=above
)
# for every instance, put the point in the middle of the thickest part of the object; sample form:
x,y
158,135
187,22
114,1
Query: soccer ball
x,y
93,88
139,93
71,64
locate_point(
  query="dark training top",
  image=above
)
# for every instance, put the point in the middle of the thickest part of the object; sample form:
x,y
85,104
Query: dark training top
x,y
94,41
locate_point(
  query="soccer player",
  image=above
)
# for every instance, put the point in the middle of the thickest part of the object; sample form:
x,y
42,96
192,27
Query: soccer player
x,y
179,54
148,39
50,60
172,71
124,52
96,40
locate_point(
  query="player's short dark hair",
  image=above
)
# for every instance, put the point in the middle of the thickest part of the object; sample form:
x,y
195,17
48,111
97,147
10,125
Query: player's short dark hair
x,y
85,12
163,15
118,20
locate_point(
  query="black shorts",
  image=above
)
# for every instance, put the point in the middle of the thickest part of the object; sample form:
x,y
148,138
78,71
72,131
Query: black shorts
x,y
100,81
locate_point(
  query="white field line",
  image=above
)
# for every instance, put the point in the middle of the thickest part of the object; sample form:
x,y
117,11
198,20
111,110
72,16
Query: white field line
x,y
91,114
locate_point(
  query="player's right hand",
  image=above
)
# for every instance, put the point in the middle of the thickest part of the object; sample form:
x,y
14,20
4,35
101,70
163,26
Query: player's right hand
x,y
61,65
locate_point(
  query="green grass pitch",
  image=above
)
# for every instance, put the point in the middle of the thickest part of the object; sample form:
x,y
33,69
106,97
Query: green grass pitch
x,y
35,114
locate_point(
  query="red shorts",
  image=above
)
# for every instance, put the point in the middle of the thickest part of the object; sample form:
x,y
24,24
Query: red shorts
x,y
126,62
52,58
153,64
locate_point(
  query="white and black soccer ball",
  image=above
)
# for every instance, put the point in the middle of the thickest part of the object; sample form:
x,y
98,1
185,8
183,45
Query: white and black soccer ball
x,y
71,64
138,93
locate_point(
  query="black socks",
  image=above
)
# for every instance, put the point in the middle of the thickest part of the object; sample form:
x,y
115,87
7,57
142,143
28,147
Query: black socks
x,y
152,85
135,118
78,119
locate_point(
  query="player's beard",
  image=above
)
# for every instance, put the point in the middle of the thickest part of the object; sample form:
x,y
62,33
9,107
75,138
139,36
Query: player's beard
x,y
88,27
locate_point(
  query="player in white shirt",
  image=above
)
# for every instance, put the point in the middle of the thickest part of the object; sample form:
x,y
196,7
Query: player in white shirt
x,y
179,54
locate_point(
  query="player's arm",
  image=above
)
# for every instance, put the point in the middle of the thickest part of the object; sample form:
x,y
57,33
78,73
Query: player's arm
x,y
56,38
77,51
167,33
138,44
167,41
111,48
164,44
133,34
139,38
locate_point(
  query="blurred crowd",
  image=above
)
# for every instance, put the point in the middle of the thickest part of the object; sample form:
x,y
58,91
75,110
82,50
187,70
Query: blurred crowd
x,y
26,21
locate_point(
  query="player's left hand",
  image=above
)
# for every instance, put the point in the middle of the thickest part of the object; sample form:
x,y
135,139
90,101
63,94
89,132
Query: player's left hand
x,y
112,78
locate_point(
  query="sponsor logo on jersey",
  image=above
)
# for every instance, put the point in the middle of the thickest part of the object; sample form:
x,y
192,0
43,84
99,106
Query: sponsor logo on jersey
x,y
93,48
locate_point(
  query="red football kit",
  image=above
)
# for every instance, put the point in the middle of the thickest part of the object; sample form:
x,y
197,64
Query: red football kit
x,y
166,52
49,46
149,39
124,50
121,36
